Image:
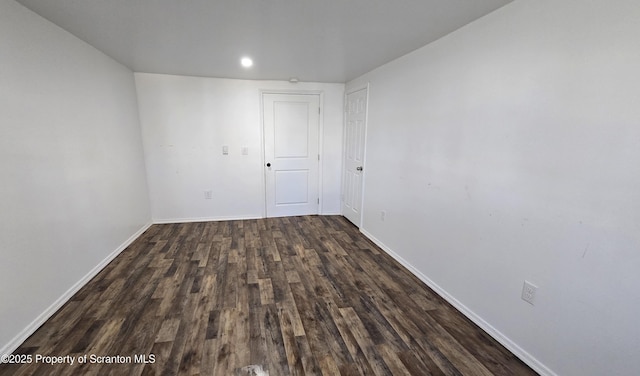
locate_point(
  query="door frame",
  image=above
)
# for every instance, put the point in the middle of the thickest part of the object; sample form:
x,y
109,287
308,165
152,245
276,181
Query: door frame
x,y
320,94
351,90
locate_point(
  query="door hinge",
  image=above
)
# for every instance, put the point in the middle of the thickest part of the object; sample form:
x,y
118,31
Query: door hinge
x,y
318,110
318,156
318,201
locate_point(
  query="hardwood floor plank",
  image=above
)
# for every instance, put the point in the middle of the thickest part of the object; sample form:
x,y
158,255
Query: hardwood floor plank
x,y
282,296
225,360
276,361
392,360
309,320
416,366
242,338
266,291
293,356
309,360
162,351
257,341
365,342
329,367
168,330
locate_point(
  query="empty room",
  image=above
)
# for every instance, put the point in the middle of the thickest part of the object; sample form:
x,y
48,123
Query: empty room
x,y
280,187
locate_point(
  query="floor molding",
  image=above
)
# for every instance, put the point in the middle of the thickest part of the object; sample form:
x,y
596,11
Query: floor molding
x,y
53,308
330,213
203,219
527,358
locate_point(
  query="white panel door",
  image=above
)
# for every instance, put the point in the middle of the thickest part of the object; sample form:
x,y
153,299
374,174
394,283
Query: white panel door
x,y
291,154
355,127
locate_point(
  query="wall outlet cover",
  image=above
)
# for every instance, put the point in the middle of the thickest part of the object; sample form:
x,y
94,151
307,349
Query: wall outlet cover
x,y
529,292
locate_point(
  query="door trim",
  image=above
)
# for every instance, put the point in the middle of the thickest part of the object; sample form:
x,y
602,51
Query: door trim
x,y
351,90
320,94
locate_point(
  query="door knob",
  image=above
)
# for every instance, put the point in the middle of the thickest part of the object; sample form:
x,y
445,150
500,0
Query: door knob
x,y
359,168
268,164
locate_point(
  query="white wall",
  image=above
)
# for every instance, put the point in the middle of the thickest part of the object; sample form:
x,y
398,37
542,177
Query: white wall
x,y
510,150
72,178
187,120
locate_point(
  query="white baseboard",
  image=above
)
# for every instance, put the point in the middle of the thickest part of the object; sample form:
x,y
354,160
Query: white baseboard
x,y
488,328
53,308
203,219
330,213
217,219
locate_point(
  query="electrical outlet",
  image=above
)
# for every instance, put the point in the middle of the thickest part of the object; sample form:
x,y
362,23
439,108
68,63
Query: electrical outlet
x,y
383,214
208,195
529,292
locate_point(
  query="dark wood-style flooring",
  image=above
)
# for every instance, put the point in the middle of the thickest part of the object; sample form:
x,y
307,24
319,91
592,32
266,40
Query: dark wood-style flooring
x,y
278,296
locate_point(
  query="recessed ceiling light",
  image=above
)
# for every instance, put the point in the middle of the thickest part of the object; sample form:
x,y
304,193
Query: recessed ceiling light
x,y
246,62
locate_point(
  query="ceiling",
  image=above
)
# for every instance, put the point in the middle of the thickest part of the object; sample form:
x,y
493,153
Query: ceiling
x,y
312,40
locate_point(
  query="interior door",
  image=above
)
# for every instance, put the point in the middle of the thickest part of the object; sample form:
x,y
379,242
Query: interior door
x,y
291,157
355,127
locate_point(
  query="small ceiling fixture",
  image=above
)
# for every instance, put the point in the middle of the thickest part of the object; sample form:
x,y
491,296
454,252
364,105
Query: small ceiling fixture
x,y
246,62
